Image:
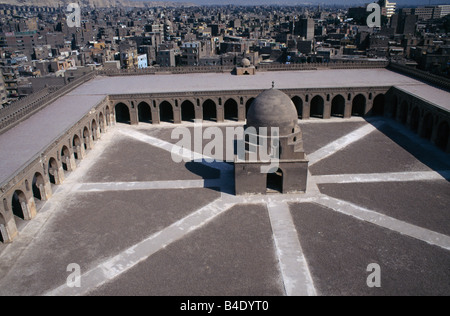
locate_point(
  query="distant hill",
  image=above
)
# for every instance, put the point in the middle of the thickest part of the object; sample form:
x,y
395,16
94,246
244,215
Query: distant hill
x,y
96,3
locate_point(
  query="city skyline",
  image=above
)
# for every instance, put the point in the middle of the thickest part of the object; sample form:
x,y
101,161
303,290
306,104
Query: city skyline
x,y
307,2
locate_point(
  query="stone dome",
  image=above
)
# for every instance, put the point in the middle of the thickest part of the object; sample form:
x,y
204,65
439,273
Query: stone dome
x,y
246,62
273,108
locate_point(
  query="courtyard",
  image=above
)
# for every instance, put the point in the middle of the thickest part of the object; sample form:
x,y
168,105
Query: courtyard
x,y
138,223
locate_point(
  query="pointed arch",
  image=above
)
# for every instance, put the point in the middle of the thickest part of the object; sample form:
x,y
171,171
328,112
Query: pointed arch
x,y
38,186
94,128
338,106
209,110
298,102
378,105
122,113
65,156
317,107
145,113
166,112
359,105
76,144
248,104
18,203
231,110
53,170
187,111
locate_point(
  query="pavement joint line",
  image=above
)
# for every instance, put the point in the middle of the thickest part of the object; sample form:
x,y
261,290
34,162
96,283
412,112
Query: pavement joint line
x,y
383,177
401,227
293,265
182,152
148,185
131,257
342,143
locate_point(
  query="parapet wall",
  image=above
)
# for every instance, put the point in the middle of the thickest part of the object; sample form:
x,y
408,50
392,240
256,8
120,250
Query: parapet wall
x,y
438,81
24,108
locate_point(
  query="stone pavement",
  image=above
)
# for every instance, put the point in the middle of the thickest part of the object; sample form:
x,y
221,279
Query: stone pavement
x,y
139,224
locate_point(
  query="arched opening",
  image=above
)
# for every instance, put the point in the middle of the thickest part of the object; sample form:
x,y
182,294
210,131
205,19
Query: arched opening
x,y
298,102
394,107
144,112
404,112
359,105
187,111
442,136
338,106
65,156
415,119
166,112
94,130
231,110
275,182
101,122
209,111
76,144
19,202
122,114
248,106
38,186
86,137
378,105
2,229
52,170
317,107
427,129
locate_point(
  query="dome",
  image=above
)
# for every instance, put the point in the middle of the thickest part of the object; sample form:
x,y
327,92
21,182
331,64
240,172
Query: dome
x,y
246,62
273,108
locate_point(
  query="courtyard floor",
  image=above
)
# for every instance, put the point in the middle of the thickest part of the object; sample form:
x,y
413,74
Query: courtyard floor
x,y
138,223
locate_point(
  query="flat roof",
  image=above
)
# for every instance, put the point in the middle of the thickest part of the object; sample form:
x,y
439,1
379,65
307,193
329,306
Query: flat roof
x,y
28,139
21,144
329,78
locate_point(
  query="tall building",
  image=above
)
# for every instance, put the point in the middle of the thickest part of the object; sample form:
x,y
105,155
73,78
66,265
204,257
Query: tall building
x,y
305,28
390,8
443,10
428,12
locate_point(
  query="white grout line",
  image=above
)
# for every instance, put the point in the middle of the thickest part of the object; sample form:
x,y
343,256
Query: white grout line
x,y
384,177
294,268
140,252
182,152
150,185
425,235
342,142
